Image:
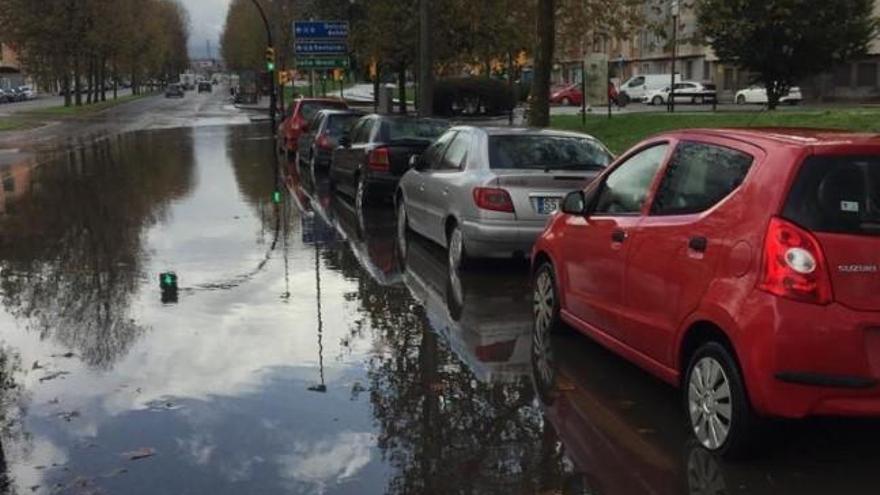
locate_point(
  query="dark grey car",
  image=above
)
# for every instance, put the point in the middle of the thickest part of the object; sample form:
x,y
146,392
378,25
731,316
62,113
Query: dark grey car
x,y
488,192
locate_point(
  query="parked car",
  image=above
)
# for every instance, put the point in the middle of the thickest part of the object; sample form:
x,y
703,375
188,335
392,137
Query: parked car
x,y
635,88
28,92
666,260
205,87
14,95
685,92
174,91
297,117
321,137
370,161
488,192
4,97
567,95
758,94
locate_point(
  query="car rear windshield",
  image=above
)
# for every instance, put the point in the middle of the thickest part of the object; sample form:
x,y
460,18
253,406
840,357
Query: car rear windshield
x,y
338,125
418,129
837,194
310,108
546,152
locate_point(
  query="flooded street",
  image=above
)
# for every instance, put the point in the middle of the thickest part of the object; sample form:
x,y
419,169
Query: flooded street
x,y
307,350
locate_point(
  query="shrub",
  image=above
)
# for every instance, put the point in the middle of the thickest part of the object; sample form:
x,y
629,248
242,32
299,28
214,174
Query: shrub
x,y
472,96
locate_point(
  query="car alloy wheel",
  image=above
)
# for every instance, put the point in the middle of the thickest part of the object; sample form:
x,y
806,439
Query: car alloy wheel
x,y
709,403
545,306
566,101
704,474
658,100
741,99
457,256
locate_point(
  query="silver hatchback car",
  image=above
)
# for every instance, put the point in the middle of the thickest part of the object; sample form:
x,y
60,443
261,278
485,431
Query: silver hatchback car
x,y
488,192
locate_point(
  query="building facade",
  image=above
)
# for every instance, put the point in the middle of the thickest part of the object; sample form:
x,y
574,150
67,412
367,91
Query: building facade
x,y
10,68
649,51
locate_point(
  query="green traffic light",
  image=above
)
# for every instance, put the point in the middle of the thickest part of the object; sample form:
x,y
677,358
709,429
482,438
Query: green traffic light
x,y
276,197
271,67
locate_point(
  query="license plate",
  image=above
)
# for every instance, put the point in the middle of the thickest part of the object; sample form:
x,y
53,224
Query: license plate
x,y
547,206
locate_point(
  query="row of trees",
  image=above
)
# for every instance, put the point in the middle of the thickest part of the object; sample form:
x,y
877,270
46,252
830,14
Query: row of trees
x,y
84,47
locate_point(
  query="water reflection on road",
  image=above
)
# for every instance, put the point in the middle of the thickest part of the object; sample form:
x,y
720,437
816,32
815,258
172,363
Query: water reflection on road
x,y
309,351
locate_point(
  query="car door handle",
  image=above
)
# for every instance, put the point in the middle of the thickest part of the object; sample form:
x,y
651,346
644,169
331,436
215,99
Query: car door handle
x,y
698,244
618,236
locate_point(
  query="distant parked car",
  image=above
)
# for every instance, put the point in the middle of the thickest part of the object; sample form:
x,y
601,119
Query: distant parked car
x,y
685,92
488,192
567,95
371,160
316,145
297,117
635,88
758,94
754,312
28,91
205,87
174,91
4,96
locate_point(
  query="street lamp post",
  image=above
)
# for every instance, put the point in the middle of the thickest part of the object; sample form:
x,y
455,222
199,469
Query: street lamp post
x,y
270,65
674,10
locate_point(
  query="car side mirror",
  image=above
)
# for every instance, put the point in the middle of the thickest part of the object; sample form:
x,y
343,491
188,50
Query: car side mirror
x,y
345,141
575,203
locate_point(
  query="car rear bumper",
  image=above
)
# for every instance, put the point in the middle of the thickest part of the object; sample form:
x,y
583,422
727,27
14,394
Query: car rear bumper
x,y
807,360
500,238
382,185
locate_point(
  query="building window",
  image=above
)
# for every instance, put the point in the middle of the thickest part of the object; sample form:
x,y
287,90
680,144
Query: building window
x,y
867,74
728,78
689,70
842,75
9,183
707,71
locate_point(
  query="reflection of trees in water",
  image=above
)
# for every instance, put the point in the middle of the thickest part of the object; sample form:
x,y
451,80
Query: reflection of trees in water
x,y
11,409
251,153
441,429
72,255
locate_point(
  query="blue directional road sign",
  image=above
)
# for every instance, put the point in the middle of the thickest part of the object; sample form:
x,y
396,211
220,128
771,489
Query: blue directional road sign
x,y
320,30
306,48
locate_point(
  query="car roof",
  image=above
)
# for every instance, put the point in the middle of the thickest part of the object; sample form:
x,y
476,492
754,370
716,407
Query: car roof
x,y
790,136
319,100
524,131
339,111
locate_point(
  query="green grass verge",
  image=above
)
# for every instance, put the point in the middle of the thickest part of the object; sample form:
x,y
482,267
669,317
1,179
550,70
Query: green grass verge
x,y
622,131
75,111
16,124
332,89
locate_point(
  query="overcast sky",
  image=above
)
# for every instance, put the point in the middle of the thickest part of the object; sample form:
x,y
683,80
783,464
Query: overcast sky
x,y
207,18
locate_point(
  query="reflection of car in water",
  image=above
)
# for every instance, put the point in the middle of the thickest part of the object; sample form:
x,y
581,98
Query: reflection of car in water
x,y
371,234
624,435
485,317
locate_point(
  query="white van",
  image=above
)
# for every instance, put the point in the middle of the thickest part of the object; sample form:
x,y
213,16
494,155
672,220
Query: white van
x,y
636,87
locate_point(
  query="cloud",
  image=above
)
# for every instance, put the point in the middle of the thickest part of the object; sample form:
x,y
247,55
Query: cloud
x,y
328,462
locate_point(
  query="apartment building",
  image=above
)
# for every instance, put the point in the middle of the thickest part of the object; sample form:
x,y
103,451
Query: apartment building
x,y
10,67
649,51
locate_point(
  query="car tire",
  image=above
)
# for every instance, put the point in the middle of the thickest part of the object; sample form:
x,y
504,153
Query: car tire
x,y
546,322
402,228
566,102
657,100
623,99
716,403
793,103
456,253
741,99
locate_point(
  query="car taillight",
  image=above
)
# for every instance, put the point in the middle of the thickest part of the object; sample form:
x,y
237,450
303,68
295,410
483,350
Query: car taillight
x,y
379,160
297,124
324,142
491,198
794,265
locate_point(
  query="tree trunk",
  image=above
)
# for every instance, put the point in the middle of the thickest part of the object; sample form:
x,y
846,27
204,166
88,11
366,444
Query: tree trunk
x,y
539,110
65,85
115,82
76,81
103,79
774,93
401,89
426,61
91,81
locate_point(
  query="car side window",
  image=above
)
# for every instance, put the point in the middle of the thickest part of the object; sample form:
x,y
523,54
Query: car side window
x,y
698,177
435,151
626,188
363,135
637,82
456,153
356,130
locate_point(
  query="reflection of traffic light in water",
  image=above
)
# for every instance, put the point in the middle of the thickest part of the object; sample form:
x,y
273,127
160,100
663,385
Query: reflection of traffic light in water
x,y
322,387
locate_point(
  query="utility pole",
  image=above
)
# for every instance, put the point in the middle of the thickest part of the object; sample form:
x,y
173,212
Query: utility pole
x,y
270,65
426,62
674,10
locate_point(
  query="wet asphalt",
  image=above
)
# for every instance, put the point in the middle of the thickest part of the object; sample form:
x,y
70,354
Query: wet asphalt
x,y
307,349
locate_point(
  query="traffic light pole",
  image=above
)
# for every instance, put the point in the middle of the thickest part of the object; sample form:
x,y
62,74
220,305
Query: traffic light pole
x,y
270,65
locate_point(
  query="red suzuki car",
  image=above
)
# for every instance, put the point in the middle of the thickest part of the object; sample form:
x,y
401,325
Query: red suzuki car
x,y
740,265
297,118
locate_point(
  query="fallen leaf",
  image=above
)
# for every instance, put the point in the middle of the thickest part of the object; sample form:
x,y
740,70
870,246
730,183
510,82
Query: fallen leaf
x,y
52,376
68,415
140,454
